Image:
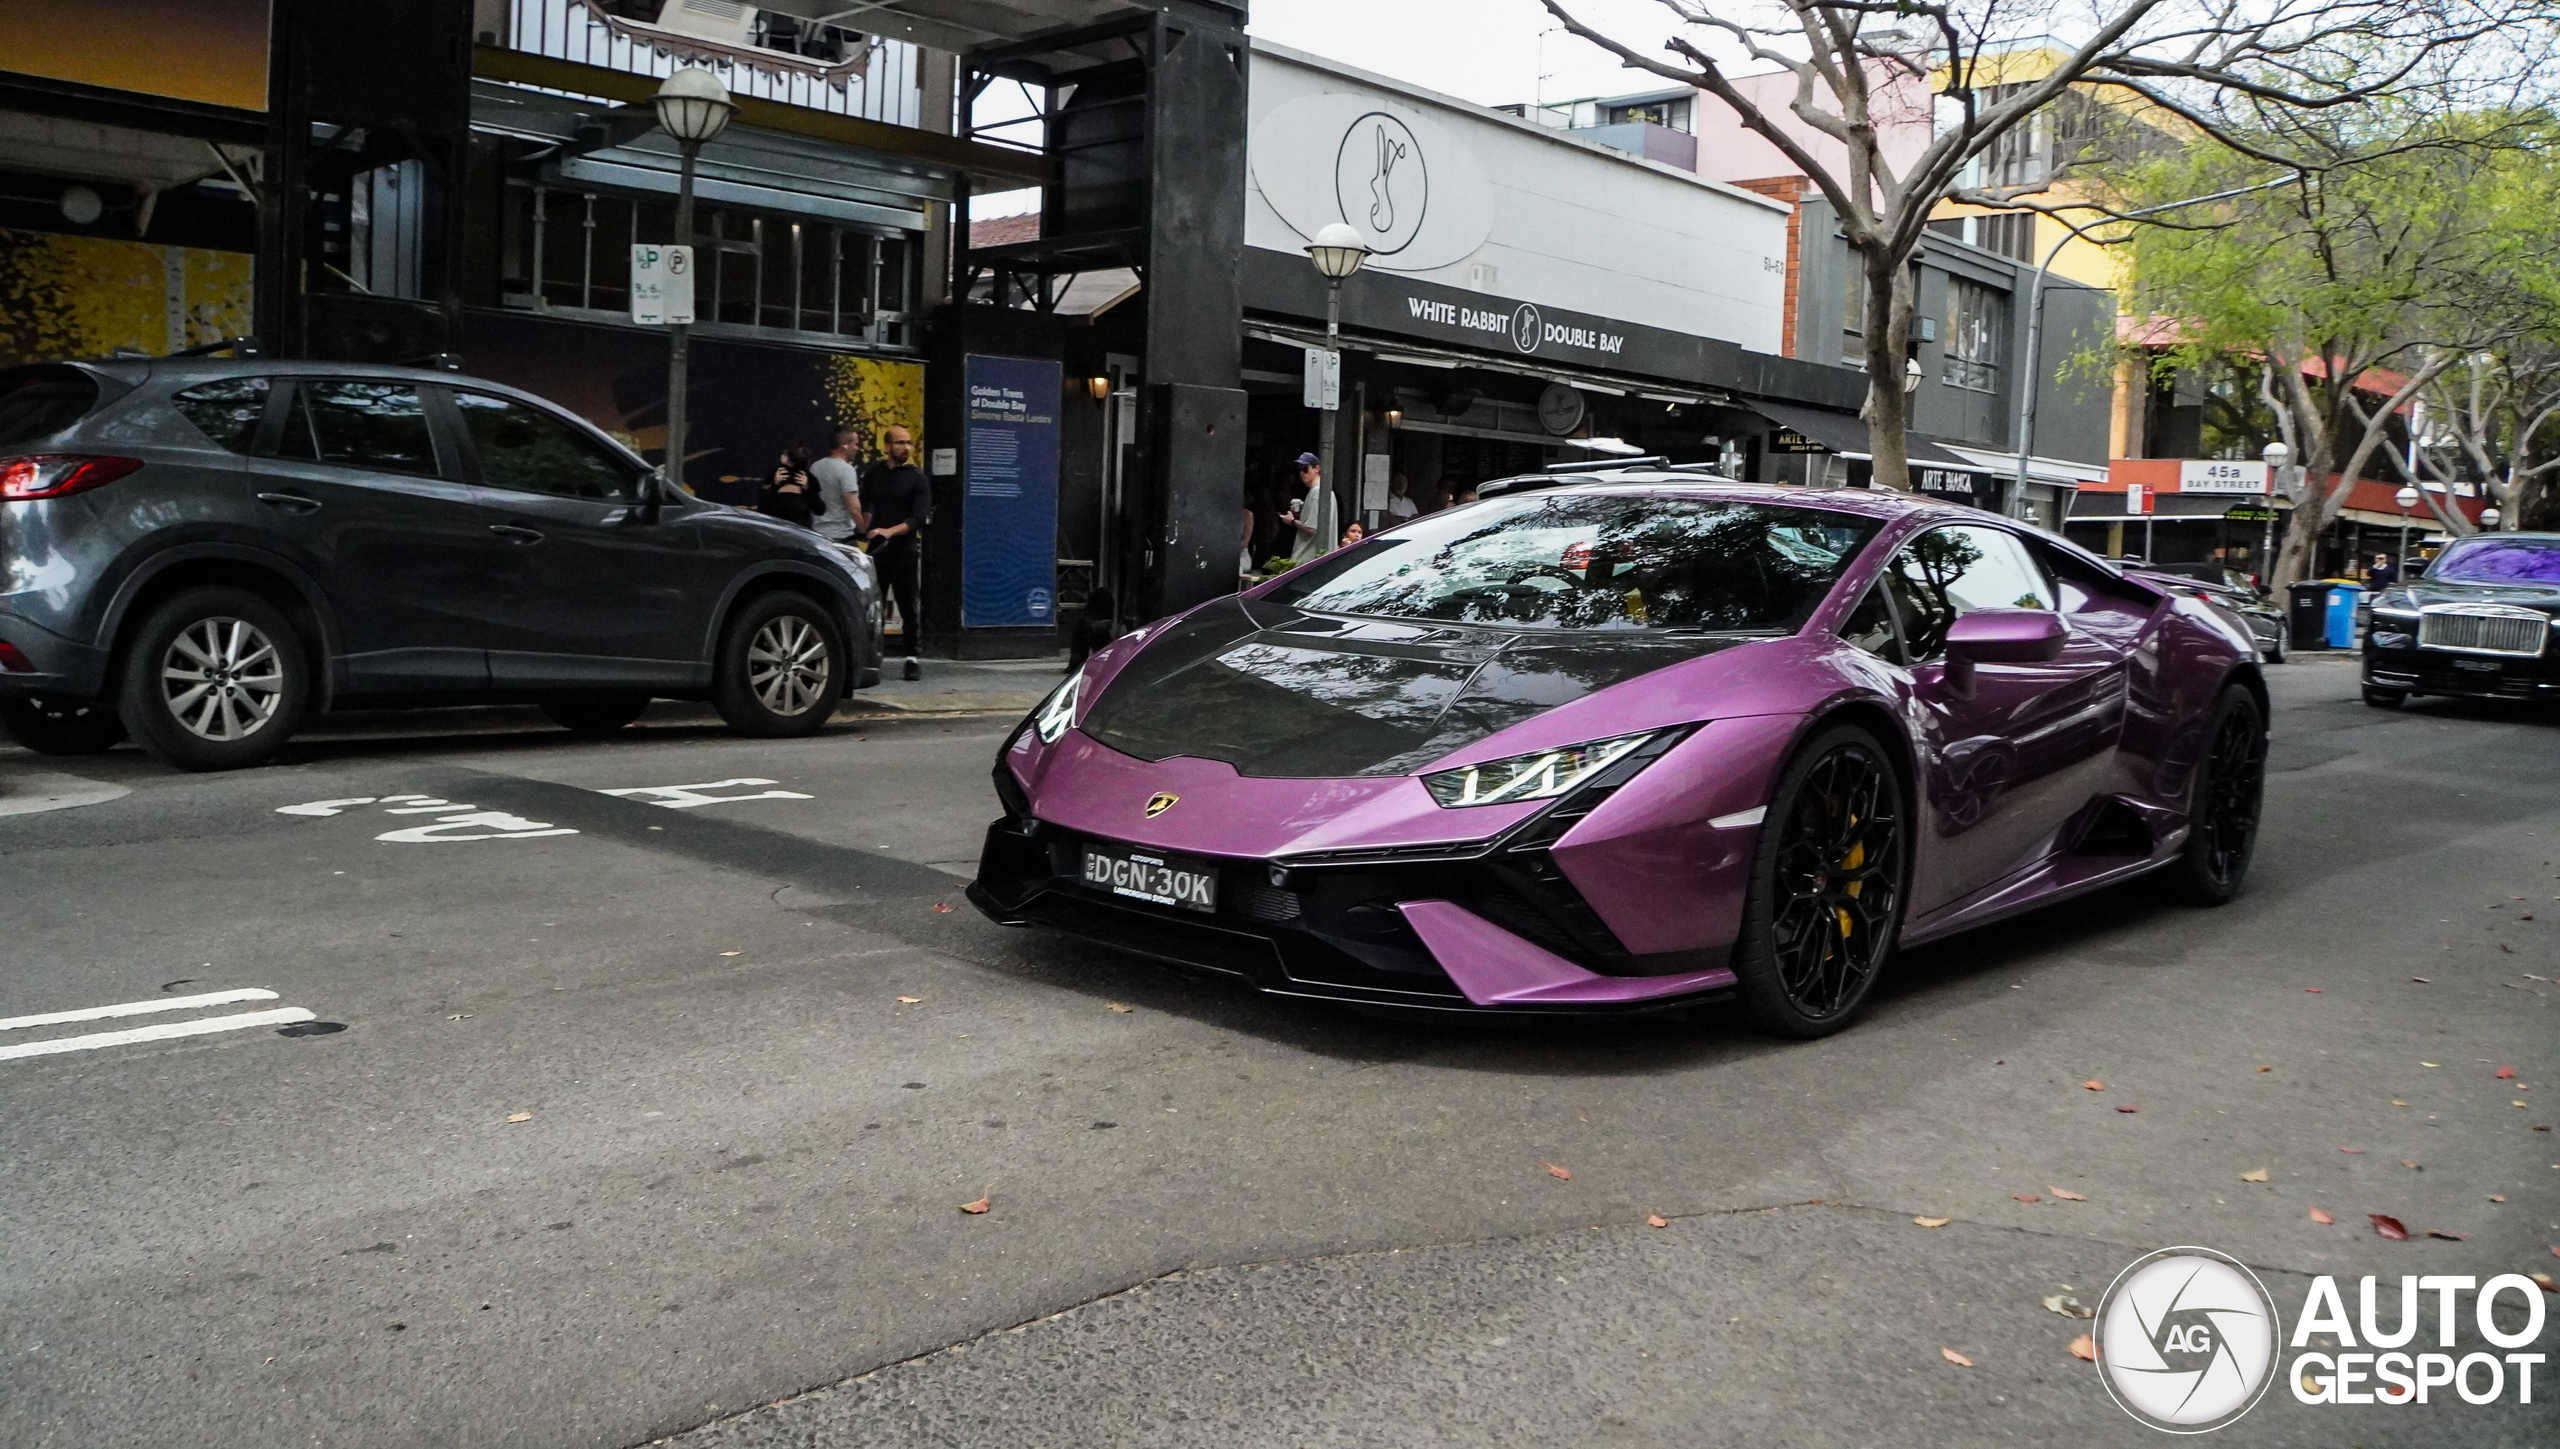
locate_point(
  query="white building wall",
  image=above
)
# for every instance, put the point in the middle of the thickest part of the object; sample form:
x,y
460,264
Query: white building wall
x,y
1506,207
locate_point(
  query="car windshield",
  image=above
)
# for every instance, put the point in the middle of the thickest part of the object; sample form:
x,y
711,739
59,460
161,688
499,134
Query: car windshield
x,y
2500,561
1580,561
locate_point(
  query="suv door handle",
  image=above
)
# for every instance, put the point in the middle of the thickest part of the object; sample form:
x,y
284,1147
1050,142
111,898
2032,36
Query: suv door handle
x,y
294,501
515,533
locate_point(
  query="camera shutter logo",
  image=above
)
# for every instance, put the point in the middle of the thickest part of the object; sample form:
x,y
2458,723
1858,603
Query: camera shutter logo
x,y
2187,1340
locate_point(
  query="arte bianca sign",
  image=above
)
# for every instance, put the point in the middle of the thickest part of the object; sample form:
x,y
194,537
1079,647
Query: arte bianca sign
x,y
2222,475
1418,197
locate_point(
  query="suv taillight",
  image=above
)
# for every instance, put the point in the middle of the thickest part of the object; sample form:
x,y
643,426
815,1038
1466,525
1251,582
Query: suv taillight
x,y
52,475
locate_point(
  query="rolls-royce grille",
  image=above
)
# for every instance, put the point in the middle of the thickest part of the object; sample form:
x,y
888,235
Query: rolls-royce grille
x,y
2483,633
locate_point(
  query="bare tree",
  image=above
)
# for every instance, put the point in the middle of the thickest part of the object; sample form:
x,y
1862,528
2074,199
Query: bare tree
x,y
1853,60
2496,410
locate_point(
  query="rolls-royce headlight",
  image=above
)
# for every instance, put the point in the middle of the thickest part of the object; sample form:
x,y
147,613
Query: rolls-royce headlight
x,y
1542,775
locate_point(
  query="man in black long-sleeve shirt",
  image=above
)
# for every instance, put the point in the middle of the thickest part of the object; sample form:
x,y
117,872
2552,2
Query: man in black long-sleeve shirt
x,y
897,500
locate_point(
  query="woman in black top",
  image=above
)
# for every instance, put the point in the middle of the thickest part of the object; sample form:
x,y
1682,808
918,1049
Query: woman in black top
x,y
788,494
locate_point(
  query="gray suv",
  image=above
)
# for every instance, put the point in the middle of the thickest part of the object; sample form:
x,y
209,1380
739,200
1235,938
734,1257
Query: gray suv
x,y
202,552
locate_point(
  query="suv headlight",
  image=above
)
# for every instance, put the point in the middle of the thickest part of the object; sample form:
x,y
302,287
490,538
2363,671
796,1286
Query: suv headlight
x,y
1543,775
1058,711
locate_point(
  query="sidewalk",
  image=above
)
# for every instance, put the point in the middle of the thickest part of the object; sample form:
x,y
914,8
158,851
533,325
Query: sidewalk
x,y
952,686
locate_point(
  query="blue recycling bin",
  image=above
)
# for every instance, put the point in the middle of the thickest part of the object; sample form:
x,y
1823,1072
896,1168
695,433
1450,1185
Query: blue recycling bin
x,y
2342,616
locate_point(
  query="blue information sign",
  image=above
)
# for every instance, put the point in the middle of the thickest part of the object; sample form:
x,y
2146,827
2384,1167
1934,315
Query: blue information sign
x,y
1009,507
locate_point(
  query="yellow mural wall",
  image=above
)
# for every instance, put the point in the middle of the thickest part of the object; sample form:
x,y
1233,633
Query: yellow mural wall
x,y
81,296
872,393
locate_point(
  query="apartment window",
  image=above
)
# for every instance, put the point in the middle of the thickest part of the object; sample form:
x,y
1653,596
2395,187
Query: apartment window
x,y
1671,113
1976,318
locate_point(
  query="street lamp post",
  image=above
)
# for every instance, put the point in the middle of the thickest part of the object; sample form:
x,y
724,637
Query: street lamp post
x,y
2407,498
2275,454
2035,327
1337,252
692,108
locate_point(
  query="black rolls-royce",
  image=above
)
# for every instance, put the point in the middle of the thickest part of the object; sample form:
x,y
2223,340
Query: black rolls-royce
x,y
2483,620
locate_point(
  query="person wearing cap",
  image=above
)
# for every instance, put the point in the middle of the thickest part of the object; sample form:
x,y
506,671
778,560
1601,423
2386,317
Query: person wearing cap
x,y
1306,515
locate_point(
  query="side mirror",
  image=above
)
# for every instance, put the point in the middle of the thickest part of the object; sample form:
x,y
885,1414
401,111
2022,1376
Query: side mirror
x,y
2007,636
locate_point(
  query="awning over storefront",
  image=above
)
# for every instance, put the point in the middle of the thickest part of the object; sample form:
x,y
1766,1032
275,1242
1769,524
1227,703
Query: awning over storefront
x,y
1846,435
2060,472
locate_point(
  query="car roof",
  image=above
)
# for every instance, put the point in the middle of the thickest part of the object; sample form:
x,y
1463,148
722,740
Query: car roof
x,y
1664,482
186,371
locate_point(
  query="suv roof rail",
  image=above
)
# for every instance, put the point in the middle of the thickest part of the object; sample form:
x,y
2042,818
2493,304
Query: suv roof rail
x,y
236,346
1611,465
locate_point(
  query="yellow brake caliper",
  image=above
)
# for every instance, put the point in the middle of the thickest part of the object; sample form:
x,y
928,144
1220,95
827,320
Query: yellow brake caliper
x,y
1857,857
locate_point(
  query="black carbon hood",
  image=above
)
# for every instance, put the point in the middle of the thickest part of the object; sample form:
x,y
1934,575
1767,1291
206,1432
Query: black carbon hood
x,y
1276,692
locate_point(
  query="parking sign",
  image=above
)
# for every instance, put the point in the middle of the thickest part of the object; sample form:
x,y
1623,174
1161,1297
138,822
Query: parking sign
x,y
661,285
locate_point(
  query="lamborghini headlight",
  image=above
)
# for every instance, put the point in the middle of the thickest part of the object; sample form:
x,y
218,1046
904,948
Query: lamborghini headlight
x,y
1058,712
1543,775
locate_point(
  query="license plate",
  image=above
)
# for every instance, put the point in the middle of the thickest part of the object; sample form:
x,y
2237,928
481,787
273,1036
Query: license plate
x,y
1163,880
2484,666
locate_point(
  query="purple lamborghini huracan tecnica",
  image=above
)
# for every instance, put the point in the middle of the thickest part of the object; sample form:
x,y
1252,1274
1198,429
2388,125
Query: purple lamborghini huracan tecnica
x,y
1619,741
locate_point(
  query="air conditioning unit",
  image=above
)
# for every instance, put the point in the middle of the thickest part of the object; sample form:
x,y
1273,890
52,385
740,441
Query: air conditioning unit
x,y
727,21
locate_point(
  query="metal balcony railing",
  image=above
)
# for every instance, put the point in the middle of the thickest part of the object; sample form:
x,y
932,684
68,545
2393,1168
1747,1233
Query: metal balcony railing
x,y
881,81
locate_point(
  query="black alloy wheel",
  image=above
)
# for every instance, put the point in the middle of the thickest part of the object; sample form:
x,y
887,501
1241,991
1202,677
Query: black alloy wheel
x,y
595,714
61,727
2222,821
1827,886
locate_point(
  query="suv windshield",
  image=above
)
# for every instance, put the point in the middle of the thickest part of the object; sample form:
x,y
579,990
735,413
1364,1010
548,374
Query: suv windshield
x,y
2500,561
1549,561
38,402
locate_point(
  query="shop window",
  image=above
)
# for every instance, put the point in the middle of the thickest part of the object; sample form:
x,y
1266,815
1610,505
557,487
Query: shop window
x,y
1976,318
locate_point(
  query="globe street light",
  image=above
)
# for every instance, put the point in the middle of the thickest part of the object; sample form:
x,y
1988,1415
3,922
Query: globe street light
x,y
2489,519
692,108
2407,498
1337,252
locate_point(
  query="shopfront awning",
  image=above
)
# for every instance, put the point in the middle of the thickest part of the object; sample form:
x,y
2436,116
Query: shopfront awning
x,y
1846,435
2060,472
1415,354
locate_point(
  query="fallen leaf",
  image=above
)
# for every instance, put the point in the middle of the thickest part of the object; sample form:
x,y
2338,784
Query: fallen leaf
x,y
911,1000
2497,1197
2389,1227
2506,1074
728,953
1558,1172
2396,1102
519,1116
2321,1217
1116,1006
2541,1126
979,1206
942,908
2351,1149
2255,1174
2094,1085
2448,1237
2314,990
2545,1282
2066,1194
2068,1306
2427,1064
2423,980
2027,1197
2128,1107
2266,1069
1656,1220
1933,1222
2085,1347
1953,1357
2413,1167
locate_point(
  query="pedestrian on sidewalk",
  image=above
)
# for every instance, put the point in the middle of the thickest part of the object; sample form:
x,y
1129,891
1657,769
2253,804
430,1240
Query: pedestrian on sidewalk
x,y
788,494
896,503
839,490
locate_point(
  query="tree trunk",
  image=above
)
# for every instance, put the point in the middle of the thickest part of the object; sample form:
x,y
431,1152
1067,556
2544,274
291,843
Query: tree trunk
x,y
1887,411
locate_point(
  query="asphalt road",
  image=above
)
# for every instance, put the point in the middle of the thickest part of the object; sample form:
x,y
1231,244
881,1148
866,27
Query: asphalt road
x,y
617,1124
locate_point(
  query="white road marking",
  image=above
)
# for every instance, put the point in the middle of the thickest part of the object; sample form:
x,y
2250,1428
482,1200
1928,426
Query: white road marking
x,y
165,1031
490,825
323,807
686,797
1740,818
29,792
138,1008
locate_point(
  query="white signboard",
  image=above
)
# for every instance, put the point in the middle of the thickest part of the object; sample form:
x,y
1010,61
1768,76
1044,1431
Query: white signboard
x,y
1376,469
661,285
2222,475
1324,378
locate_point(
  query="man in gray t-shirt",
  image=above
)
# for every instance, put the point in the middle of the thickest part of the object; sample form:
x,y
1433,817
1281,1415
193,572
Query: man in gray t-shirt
x,y
841,487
